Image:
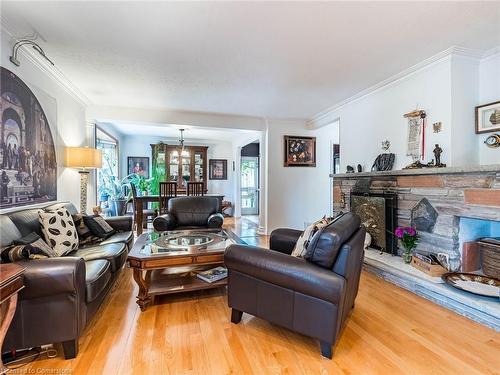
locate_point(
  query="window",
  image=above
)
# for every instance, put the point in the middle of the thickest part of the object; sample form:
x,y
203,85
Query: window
x,y
109,147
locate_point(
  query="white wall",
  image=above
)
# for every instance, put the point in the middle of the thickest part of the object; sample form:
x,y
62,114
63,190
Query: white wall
x,y
71,128
489,91
130,146
298,195
366,122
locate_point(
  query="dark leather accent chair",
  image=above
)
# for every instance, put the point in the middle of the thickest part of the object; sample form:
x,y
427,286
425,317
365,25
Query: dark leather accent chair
x,y
190,213
61,295
312,296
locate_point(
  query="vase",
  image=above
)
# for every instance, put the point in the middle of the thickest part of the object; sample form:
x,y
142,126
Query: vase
x,y
406,256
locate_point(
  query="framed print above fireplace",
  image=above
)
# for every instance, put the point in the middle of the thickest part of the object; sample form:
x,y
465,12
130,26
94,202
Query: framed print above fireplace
x,y
299,151
488,118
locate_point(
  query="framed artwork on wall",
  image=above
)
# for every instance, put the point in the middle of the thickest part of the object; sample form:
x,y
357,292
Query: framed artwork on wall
x,y
28,165
138,165
299,151
217,169
488,118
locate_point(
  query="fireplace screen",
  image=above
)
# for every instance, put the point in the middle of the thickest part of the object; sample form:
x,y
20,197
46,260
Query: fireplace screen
x,y
377,213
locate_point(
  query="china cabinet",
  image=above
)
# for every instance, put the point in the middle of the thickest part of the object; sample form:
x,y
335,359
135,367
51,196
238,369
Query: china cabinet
x,y
182,165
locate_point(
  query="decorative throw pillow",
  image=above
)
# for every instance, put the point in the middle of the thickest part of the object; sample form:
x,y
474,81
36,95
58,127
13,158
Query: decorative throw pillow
x,y
301,246
59,230
85,236
16,253
37,243
98,226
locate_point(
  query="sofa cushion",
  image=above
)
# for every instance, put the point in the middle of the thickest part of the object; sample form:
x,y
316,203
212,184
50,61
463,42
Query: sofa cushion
x,y
8,231
97,275
59,230
305,238
98,226
115,253
326,242
124,237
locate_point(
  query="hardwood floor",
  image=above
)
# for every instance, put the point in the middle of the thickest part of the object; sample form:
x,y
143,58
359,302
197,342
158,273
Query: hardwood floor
x,y
391,331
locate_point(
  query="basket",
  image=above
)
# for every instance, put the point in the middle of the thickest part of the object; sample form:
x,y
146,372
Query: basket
x,y
434,270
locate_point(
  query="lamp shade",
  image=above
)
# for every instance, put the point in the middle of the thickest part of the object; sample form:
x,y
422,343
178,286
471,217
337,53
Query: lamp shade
x,y
83,157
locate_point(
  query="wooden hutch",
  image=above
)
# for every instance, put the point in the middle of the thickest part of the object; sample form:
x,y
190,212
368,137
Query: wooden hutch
x,y
174,166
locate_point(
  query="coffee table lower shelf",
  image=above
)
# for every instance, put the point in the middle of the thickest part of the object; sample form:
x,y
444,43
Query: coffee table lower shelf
x,y
170,280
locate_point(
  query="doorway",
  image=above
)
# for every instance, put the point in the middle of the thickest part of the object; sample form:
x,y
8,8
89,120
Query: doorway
x,y
250,179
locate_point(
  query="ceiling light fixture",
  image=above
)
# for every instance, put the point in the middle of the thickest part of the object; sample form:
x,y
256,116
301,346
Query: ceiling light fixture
x,y
184,153
13,58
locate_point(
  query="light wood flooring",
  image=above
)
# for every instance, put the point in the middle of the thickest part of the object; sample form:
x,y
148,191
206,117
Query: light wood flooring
x,y
391,331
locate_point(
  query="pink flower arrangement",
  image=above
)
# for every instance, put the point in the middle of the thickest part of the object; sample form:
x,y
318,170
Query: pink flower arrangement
x,y
408,237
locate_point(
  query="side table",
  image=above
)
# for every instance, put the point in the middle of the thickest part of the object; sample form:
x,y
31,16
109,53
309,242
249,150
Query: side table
x,y
11,282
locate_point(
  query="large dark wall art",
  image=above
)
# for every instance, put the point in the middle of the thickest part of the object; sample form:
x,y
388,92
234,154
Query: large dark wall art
x,y
27,152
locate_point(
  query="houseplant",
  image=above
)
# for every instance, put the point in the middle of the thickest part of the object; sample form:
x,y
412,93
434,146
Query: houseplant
x,y
409,238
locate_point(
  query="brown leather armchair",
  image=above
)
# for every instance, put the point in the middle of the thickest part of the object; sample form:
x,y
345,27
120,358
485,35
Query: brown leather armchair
x,y
312,296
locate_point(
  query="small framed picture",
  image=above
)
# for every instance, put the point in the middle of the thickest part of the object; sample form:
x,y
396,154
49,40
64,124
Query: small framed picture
x,y
300,151
488,118
138,165
217,169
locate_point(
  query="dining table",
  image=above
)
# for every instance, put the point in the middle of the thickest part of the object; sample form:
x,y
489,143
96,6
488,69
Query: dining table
x,y
141,201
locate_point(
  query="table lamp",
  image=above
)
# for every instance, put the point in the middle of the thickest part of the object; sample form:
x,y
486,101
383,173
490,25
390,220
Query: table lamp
x,y
83,159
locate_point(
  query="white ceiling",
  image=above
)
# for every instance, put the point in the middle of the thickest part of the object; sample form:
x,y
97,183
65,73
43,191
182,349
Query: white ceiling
x,y
280,59
191,133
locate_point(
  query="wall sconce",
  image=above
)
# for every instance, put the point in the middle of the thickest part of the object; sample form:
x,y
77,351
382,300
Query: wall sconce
x,y
15,48
83,159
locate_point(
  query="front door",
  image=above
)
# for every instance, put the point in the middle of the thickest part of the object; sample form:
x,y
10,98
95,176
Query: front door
x,y
249,185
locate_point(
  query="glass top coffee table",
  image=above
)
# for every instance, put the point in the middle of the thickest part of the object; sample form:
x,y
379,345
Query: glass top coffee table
x,y
165,263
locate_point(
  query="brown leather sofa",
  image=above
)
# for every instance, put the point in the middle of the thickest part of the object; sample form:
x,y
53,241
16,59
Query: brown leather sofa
x,y
190,213
313,296
61,295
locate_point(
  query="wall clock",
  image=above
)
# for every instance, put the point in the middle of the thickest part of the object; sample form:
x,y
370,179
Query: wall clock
x,y
493,141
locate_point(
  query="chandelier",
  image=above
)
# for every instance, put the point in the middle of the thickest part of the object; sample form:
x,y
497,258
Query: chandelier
x,y
184,152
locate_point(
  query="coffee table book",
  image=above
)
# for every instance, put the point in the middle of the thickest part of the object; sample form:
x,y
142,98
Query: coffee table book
x,y
213,274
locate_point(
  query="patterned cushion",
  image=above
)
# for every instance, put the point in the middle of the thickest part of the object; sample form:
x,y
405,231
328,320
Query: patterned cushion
x,y
59,230
37,242
85,236
301,245
15,253
98,226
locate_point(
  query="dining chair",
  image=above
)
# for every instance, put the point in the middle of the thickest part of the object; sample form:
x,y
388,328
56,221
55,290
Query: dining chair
x,y
147,213
167,190
195,188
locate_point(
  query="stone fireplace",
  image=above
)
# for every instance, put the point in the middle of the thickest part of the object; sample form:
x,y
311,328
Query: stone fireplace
x,y
450,207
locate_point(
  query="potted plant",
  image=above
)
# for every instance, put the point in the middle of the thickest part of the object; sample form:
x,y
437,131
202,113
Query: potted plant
x,y
117,194
142,184
409,238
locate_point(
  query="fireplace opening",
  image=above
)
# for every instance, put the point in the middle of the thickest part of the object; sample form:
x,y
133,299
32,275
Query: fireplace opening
x,y
378,212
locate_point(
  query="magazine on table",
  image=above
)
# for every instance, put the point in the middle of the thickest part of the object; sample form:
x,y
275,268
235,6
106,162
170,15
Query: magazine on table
x,y
213,274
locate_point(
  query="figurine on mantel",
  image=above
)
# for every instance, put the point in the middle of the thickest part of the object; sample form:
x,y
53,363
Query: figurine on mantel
x,y
434,163
350,169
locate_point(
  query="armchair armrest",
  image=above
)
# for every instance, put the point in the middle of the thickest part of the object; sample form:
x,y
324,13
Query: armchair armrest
x,y
286,271
120,223
215,221
45,277
284,240
165,222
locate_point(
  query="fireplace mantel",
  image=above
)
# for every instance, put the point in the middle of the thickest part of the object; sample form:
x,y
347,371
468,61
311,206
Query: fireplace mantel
x,y
423,171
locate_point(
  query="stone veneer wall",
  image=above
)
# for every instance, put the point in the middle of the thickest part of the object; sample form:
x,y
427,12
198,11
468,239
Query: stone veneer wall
x,y
453,193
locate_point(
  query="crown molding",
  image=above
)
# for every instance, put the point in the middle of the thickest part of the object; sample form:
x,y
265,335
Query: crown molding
x,y
50,70
491,53
329,115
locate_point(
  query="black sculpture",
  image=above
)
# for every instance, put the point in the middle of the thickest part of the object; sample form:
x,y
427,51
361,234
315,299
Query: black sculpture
x,y
350,169
384,162
360,168
437,155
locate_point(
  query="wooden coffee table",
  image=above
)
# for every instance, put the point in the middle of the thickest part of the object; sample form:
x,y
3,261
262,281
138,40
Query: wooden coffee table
x,y
167,263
